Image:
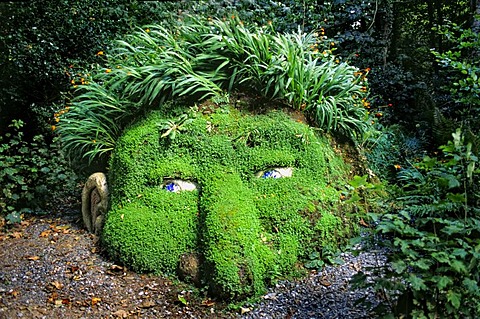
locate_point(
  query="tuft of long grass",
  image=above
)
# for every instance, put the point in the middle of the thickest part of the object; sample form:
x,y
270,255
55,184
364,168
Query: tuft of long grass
x,y
204,59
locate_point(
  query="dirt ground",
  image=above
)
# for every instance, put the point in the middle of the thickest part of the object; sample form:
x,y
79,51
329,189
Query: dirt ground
x,y
50,267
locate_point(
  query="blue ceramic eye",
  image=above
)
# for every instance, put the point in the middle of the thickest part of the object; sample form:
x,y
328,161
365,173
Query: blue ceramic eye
x,y
172,187
271,174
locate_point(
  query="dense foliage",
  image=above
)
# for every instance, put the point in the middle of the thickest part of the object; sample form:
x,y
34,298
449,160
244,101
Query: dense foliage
x,y
433,238
31,174
212,58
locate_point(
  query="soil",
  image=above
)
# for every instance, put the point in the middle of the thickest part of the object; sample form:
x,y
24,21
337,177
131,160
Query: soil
x,y
51,267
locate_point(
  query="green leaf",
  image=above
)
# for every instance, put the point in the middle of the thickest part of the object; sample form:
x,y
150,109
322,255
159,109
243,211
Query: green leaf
x,y
472,286
14,217
399,266
417,283
182,300
454,298
358,181
441,257
456,198
458,266
45,170
442,281
423,264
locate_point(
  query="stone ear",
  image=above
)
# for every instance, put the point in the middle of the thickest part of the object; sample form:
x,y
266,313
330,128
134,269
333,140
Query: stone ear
x,y
95,202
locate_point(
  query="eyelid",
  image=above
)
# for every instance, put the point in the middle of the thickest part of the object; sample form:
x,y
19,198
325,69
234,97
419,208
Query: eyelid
x,y
275,172
178,185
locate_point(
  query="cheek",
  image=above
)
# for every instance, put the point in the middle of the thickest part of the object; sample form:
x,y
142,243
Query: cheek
x,y
280,199
151,232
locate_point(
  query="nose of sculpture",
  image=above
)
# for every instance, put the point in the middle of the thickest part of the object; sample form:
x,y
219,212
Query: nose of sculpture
x,y
235,258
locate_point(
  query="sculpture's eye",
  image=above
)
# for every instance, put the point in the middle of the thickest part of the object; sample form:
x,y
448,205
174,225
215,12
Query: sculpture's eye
x,y
178,185
277,172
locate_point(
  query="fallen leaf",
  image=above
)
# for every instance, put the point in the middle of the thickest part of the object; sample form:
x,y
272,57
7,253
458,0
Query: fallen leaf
x,y
270,296
51,286
208,303
65,229
45,233
73,269
244,310
357,266
116,270
363,223
120,313
16,235
13,293
325,282
52,298
95,300
148,304
33,258
25,223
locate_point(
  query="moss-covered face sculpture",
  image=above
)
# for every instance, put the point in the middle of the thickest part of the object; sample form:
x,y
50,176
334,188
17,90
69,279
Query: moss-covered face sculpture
x,y
243,196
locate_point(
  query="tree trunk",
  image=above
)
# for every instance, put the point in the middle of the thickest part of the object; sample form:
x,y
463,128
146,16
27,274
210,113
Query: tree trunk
x,y
476,18
386,18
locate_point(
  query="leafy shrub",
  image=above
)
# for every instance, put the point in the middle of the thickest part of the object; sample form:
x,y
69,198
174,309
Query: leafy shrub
x,y
462,69
390,149
47,44
433,238
248,230
32,174
205,58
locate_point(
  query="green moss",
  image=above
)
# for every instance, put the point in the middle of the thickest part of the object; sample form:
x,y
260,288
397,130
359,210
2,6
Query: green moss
x,y
249,230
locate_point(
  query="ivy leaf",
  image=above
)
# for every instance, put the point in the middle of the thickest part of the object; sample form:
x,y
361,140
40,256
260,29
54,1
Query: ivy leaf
x,y
452,181
458,266
441,257
456,198
442,281
454,228
417,283
358,181
472,286
423,264
454,298
399,266
462,253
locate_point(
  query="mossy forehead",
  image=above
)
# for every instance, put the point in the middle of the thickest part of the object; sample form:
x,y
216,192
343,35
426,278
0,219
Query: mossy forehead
x,y
249,229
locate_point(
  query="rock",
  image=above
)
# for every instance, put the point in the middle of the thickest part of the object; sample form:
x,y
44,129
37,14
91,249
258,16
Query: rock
x,y
95,202
189,268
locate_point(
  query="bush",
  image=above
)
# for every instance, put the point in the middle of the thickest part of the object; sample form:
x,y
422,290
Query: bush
x,y
390,149
433,238
32,174
247,229
46,44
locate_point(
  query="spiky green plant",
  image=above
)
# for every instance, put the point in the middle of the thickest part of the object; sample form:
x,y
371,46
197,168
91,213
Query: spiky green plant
x,y
203,59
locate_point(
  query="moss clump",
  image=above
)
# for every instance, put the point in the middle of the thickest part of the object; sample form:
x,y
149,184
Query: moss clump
x,y
248,229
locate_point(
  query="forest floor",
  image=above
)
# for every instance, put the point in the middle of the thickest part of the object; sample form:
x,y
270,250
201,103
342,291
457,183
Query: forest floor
x,y
51,267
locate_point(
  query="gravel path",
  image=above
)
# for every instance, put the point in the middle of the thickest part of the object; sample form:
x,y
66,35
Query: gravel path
x,y
51,268
326,294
